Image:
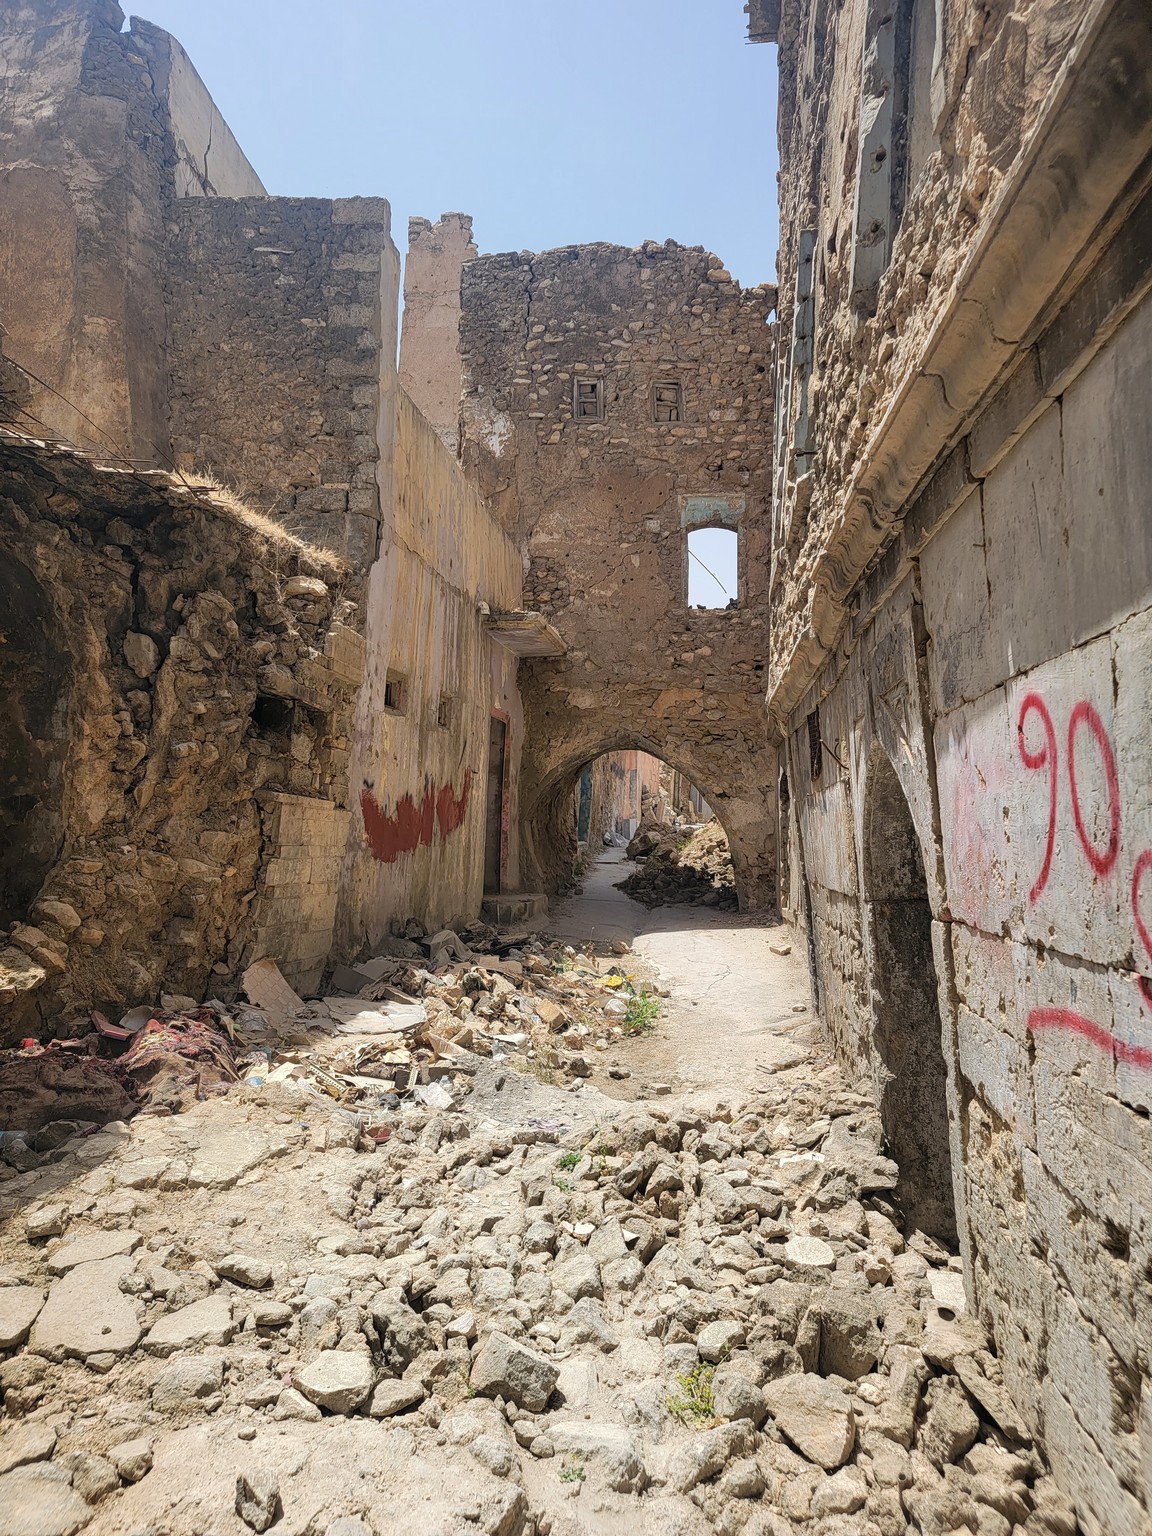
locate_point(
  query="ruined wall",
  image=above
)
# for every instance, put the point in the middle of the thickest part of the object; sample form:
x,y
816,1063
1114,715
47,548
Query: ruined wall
x,y
617,785
177,688
89,162
430,334
281,315
962,600
603,502
433,680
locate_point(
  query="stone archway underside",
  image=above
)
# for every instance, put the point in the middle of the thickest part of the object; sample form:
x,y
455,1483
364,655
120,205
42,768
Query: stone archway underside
x,y
728,758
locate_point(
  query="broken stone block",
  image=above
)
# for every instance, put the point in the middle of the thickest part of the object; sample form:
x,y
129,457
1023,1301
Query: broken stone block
x,y
243,1270
93,1477
48,1221
504,1368
132,1459
87,1313
812,1252
336,1380
141,653
735,1397
841,1494
950,1427
815,1416
37,1501
391,1397
709,1454
90,1248
24,1444
719,1339
294,1405
257,1498
577,1274
203,1322
850,1340
187,1384
19,1307
608,1448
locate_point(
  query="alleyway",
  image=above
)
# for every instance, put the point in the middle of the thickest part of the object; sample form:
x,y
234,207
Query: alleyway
x,y
734,1001
544,1313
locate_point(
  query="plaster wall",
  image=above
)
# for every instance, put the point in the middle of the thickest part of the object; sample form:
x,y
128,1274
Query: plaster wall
x,y
417,840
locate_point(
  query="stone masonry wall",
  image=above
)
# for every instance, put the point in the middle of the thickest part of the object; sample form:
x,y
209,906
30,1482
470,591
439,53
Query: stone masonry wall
x,y
603,506
962,596
430,336
178,690
281,337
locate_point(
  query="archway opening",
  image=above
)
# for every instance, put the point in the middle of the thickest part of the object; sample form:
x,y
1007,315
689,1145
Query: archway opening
x,y
906,1017
33,739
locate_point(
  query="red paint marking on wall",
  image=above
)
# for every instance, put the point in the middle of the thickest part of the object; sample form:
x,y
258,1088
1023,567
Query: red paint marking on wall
x,y
411,826
1086,714
1143,863
1095,1034
1045,757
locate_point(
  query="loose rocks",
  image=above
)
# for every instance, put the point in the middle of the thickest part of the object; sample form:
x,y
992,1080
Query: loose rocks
x,y
336,1380
506,1369
815,1416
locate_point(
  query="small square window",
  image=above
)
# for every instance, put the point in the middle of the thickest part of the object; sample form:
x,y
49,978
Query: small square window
x,y
396,693
668,400
588,399
444,713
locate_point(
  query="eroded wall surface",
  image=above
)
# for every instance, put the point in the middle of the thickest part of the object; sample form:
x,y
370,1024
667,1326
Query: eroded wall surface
x,y
600,478
433,681
430,334
178,698
962,601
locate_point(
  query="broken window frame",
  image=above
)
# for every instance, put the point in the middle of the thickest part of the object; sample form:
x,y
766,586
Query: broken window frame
x,y
674,390
586,391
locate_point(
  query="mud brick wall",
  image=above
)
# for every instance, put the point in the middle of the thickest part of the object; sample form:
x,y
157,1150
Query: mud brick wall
x,y
282,336
171,710
603,507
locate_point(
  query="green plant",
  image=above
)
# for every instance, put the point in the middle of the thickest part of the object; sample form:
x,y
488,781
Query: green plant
x,y
692,1404
568,1159
565,1186
641,1014
572,1472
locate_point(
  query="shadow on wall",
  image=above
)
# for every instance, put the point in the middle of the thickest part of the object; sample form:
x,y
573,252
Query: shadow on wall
x,y
34,694
909,1045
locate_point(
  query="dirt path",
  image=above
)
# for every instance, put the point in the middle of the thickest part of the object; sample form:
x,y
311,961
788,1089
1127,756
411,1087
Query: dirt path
x,y
734,1003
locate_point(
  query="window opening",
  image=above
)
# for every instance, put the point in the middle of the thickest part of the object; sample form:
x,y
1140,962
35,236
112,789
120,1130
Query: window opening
x,y
668,400
396,693
444,712
588,399
815,746
713,567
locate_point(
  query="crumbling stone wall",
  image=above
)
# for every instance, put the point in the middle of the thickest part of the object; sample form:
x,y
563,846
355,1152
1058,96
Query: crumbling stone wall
x,y
99,130
602,505
178,685
962,585
281,316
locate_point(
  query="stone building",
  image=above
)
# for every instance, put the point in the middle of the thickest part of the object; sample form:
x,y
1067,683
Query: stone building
x,y
614,401
170,329
960,653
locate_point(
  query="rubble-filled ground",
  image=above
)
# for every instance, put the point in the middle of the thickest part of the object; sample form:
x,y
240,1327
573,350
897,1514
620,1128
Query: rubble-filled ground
x,y
540,1310
692,867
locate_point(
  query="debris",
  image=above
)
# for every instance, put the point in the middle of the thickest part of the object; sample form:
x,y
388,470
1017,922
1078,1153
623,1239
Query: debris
x,y
258,1498
39,1085
695,870
265,987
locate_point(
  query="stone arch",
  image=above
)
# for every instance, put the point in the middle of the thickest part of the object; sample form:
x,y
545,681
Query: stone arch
x,y
34,698
554,759
907,1030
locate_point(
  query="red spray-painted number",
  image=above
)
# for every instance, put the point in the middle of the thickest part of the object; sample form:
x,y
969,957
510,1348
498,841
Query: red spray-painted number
x,y
410,825
1102,861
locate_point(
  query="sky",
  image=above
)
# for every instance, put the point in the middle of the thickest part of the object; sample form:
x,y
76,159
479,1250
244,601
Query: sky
x,y
551,123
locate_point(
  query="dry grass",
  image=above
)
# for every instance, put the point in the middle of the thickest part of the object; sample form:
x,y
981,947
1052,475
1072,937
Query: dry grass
x,y
213,493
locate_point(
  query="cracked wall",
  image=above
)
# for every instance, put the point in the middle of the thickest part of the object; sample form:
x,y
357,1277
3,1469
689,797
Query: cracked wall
x,y
599,479
962,594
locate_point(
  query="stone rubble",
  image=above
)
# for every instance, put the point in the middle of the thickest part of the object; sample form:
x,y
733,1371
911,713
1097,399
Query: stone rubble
x,y
695,1316
693,866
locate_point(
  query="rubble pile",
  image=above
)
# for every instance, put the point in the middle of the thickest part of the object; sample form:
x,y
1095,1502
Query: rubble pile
x,y
700,1317
696,871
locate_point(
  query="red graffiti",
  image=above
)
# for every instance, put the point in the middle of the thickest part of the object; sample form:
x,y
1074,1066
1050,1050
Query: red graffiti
x,y
1047,755
1102,861
1144,862
1065,1019
411,826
